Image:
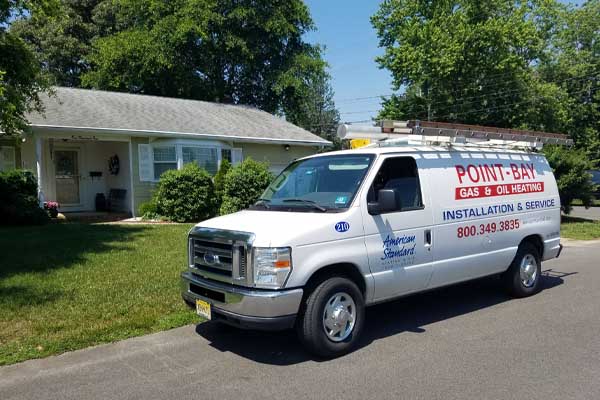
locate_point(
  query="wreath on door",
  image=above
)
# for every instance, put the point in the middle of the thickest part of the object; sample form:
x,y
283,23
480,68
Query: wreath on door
x,y
114,165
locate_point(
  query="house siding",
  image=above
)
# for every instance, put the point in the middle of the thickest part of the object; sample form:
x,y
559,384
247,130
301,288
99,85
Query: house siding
x,y
274,154
142,191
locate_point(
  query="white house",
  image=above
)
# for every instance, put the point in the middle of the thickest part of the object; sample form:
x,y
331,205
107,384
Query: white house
x,y
88,142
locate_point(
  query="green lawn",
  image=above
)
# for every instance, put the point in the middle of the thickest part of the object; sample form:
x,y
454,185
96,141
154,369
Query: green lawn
x,y
68,286
579,228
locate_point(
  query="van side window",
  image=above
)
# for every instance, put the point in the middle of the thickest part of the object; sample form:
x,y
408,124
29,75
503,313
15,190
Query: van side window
x,y
399,174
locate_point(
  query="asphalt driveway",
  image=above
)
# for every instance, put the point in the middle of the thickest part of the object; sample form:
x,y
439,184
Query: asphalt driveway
x,y
467,341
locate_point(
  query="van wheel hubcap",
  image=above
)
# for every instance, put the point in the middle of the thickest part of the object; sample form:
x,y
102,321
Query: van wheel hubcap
x,y
339,316
528,270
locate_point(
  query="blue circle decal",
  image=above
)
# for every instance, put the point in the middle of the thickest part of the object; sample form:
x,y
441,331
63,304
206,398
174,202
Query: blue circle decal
x,y
342,226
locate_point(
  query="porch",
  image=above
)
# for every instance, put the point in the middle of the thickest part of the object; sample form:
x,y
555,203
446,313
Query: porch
x,y
81,173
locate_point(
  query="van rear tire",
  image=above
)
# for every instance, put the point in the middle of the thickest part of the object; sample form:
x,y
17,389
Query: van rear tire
x,y
332,317
522,279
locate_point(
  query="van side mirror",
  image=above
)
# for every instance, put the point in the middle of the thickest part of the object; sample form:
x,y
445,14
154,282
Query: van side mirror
x,y
388,200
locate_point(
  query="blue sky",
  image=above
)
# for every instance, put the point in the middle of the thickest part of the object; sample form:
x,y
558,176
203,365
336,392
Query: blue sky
x,y
344,28
351,47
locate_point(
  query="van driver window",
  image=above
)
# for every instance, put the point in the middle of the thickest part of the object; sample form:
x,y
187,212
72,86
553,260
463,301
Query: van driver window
x,y
399,174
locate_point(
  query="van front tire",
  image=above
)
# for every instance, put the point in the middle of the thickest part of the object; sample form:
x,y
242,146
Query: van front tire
x,y
522,278
331,318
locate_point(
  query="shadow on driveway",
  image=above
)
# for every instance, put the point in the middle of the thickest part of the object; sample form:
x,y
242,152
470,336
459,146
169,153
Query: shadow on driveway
x,y
409,314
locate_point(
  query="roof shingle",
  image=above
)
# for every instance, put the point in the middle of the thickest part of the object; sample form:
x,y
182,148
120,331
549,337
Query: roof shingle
x,y
71,107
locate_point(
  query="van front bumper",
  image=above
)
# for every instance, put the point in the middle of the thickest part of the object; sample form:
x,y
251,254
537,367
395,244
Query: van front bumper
x,y
243,307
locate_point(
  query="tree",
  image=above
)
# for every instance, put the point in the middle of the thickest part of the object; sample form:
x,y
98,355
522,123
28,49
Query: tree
x,y
470,61
570,168
316,111
21,77
63,40
573,64
232,51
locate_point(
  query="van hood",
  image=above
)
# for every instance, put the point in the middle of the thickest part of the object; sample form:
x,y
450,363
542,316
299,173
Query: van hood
x,y
283,228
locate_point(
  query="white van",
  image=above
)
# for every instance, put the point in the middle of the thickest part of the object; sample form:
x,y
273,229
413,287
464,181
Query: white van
x,y
340,231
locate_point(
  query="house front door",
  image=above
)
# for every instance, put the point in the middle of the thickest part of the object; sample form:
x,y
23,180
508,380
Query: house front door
x,y
66,167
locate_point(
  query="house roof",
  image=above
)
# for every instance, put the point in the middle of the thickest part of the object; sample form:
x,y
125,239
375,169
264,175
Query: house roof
x,y
131,114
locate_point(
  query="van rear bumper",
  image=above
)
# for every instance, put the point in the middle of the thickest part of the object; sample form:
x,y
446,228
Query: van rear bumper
x,y
243,307
552,249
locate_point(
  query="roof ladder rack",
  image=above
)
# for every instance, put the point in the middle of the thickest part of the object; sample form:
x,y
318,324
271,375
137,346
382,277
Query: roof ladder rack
x,y
389,132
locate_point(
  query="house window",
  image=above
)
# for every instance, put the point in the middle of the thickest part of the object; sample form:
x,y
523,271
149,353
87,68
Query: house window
x,y
205,157
7,158
165,158
226,154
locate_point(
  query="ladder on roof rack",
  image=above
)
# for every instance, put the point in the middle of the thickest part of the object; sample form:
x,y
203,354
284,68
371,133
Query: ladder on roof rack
x,y
395,132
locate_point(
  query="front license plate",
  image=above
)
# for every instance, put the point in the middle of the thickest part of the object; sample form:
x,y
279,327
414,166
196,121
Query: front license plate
x,y
203,309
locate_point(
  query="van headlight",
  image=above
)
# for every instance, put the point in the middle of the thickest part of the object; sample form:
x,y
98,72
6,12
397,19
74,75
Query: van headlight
x,y
272,266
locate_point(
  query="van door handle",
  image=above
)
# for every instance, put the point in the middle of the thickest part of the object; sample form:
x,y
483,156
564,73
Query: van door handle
x,y
427,237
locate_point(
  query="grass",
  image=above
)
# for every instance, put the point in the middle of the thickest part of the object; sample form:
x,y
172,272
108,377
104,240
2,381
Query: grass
x,y
579,228
68,286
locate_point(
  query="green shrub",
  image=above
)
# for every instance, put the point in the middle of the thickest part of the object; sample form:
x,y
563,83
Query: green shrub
x,y
18,199
219,180
185,195
148,210
244,184
570,166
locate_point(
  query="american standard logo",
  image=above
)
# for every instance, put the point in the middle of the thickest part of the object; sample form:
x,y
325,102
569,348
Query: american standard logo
x,y
398,247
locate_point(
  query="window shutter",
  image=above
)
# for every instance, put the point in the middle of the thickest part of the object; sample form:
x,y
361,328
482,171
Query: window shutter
x,y
236,156
145,162
7,158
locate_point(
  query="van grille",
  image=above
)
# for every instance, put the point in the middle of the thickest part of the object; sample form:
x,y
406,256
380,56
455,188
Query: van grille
x,y
225,261
213,257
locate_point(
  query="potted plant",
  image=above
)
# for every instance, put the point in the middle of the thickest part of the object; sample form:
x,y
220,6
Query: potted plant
x,y
51,208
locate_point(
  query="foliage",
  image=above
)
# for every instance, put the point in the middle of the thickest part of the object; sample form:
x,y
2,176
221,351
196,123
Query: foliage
x,y
227,51
21,77
83,285
316,111
219,180
243,185
18,199
524,64
63,39
148,210
467,60
573,64
185,195
570,166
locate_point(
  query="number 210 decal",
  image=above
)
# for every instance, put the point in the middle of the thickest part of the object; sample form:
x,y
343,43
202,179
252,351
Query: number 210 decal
x,y
342,226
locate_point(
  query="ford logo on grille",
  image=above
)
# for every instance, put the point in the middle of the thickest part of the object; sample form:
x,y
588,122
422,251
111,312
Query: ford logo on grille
x,y
210,258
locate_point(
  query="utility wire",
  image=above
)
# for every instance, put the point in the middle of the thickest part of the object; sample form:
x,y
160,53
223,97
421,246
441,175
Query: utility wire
x,y
489,96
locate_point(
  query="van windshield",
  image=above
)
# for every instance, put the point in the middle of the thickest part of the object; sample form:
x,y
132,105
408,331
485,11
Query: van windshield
x,y
326,183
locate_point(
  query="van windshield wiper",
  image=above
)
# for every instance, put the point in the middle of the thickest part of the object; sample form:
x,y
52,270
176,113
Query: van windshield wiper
x,y
311,203
263,202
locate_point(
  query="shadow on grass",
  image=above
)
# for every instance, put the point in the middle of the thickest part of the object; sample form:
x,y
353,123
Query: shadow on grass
x,y
15,297
53,246
409,314
566,219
